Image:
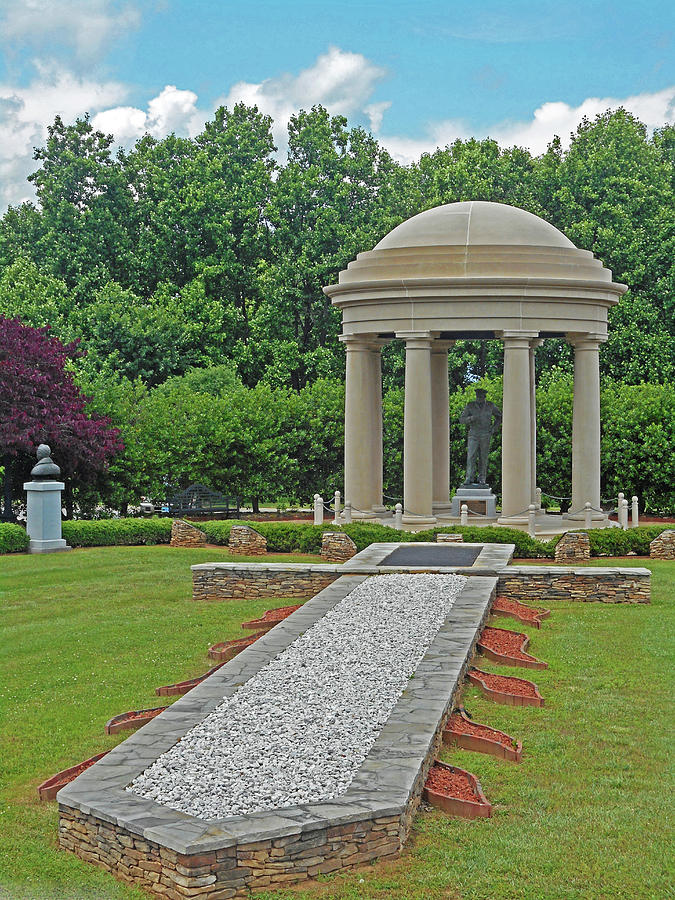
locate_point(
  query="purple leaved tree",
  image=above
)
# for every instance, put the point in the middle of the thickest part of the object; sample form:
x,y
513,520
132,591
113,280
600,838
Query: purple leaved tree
x,y
40,403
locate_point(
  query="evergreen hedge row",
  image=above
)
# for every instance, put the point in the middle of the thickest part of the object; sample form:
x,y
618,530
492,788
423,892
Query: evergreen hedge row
x,y
299,537
13,538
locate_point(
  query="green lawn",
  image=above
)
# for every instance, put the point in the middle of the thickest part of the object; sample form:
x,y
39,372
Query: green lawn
x,y
91,633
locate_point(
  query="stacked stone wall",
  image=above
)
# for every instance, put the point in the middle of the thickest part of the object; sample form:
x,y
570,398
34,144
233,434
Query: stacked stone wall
x,y
573,546
449,538
247,583
245,540
233,871
336,546
663,546
609,586
183,534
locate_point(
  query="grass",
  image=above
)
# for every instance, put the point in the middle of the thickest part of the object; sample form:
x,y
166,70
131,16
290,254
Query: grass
x,y
585,815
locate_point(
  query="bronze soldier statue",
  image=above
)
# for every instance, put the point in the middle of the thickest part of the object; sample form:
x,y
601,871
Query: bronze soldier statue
x,y
483,418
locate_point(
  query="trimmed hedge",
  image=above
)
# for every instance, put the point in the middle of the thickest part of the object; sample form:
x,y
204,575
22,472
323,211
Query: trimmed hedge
x,y
115,532
617,542
13,538
290,537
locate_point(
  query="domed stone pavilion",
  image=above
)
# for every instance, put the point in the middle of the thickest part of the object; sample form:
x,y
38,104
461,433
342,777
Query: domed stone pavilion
x,y
473,270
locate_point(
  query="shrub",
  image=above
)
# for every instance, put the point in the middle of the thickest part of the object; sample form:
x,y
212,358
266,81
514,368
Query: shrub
x,y
617,542
13,538
114,532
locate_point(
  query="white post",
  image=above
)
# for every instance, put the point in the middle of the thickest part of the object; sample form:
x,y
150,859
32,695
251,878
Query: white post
x,y
588,514
619,512
464,514
634,513
348,512
398,516
624,514
538,496
318,509
336,500
531,515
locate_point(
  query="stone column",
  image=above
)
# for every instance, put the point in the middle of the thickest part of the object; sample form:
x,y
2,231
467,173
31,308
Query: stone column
x,y
537,342
516,429
418,469
586,426
440,426
376,396
360,432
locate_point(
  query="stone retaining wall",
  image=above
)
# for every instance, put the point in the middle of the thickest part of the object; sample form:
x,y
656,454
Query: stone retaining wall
x,y
663,546
246,540
233,871
183,534
573,545
291,582
545,584
336,546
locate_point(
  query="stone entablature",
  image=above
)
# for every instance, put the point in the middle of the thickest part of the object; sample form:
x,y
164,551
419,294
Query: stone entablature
x,y
573,545
183,534
174,855
336,546
546,584
663,546
247,541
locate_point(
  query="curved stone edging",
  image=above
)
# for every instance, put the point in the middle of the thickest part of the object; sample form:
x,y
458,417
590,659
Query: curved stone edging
x,y
535,620
182,687
527,661
51,786
132,719
227,650
476,676
269,620
479,743
480,808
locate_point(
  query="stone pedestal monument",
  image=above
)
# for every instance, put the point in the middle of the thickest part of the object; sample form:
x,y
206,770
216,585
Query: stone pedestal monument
x,y
43,493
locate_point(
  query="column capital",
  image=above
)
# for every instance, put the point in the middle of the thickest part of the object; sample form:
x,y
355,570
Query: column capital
x,y
585,340
357,341
416,340
517,340
439,346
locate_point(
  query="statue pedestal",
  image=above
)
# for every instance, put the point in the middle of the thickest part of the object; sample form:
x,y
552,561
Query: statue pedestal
x,y
43,520
478,497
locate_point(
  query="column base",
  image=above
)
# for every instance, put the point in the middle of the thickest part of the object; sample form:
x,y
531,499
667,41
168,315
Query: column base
x,y
409,519
360,515
513,521
581,516
56,546
381,512
441,507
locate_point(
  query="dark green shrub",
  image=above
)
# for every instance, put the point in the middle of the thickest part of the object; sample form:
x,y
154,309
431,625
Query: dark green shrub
x,y
115,532
617,542
13,538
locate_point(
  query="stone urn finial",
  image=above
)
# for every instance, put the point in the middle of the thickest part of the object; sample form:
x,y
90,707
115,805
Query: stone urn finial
x,y
46,469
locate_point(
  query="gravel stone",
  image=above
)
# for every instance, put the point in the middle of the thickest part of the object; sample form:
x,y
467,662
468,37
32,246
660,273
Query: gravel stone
x,y
298,730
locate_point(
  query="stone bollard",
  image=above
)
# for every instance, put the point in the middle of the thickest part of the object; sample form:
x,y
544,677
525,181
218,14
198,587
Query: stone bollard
x,y
531,516
588,514
623,513
43,518
398,516
318,509
336,503
619,508
464,514
537,494
347,512
634,519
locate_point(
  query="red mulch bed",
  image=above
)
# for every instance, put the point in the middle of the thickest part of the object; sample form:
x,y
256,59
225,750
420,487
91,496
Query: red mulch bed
x,y
50,788
283,612
507,683
449,781
458,723
530,614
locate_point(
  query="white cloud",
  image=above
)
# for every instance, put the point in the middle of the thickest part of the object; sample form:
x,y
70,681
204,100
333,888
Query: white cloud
x,y
341,81
171,110
25,113
549,119
86,25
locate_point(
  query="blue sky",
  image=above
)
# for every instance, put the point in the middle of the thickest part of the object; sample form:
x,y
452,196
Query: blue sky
x,y
419,74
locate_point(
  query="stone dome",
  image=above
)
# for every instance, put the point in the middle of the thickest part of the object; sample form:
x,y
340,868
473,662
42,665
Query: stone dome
x,y
475,268
474,223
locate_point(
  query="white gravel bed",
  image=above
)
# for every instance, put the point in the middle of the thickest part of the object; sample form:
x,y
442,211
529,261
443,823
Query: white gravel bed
x,y
299,729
